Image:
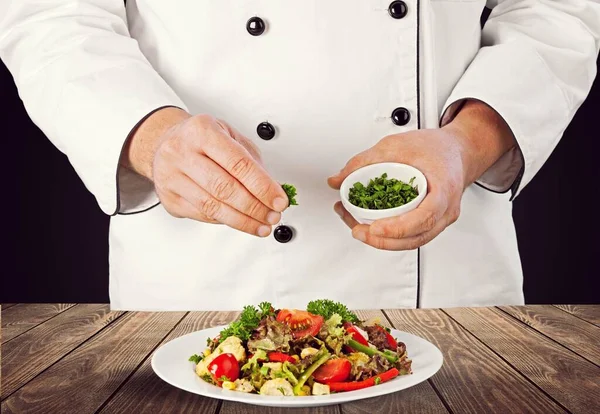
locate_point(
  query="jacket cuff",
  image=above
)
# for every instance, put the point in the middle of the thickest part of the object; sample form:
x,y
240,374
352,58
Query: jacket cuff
x,y
515,94
504,174
135,193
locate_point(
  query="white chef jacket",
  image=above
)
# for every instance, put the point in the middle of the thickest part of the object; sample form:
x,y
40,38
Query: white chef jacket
x,y
327,75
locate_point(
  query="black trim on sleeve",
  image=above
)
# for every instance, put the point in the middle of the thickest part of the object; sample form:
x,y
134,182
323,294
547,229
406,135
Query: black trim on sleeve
x,y
133,130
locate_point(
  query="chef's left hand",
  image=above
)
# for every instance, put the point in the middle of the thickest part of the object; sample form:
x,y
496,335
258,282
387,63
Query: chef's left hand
x,y
451,158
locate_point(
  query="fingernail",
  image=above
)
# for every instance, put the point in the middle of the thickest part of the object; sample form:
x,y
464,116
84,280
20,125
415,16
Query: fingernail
x,y
360,236
376,231
280,204
273,217
263,231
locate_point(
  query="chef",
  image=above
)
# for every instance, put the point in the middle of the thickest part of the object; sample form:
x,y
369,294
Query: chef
x,y
183,117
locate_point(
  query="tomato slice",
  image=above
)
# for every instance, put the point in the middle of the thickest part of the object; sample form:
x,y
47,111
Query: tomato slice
x,y
390,339
356,335
334,370
280,357
357,385
224,367
301,322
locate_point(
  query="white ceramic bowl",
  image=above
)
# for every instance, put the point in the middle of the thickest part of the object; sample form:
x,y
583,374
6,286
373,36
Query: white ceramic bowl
x,y
398,171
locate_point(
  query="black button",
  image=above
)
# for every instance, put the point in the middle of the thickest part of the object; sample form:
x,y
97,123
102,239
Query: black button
x,y
265,130
283,234
397,9
255,26
400,116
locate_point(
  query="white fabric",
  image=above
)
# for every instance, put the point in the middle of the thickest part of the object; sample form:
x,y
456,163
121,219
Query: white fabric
x,y
327,74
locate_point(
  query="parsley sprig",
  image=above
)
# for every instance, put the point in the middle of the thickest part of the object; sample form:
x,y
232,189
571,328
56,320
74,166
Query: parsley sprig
x,y
196,358
247,322
327,307
290,190
382,193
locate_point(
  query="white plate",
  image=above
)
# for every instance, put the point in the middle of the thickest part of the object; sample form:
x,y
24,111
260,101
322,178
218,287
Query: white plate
x,y
170,362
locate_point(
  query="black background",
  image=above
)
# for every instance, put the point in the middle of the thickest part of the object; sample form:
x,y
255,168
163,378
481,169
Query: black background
x,y
56,237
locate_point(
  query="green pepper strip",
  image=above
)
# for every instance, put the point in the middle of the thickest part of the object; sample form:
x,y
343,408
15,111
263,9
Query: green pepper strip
x,y
304,377
370,351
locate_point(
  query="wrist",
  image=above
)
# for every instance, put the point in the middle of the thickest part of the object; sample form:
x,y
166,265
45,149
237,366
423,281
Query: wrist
x,y
139,150
483,137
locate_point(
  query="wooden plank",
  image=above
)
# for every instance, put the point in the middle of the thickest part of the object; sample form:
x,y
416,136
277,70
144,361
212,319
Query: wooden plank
x,y
32,352
421,398
83,380
145,392
590,313
473,379
569,331
24,316
4,306
566,377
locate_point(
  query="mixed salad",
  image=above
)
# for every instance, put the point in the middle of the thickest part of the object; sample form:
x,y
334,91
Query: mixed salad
x,y
321,350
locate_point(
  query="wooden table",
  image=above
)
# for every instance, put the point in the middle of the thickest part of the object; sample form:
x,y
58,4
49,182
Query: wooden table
x,y
82,358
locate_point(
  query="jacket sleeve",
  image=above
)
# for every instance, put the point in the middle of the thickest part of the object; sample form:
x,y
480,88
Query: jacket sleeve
x,y
535,68
86,84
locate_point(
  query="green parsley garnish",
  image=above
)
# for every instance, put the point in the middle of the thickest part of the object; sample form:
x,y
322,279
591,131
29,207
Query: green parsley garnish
x,y
377,380
281,390
224,378
326,308
290,190
247,322
382,193
196,358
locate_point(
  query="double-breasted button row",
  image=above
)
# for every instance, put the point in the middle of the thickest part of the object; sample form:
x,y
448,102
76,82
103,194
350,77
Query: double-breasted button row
x,y
266,131
256,25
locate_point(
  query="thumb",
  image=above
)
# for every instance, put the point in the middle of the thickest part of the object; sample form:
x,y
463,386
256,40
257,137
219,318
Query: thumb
x,y
363,159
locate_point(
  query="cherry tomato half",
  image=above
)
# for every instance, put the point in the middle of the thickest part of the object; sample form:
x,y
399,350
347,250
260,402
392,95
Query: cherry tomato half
x,y
302,323
356,335
334,370
224,367
280,357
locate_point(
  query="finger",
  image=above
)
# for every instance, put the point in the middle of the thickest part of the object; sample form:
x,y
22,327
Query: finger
x,y
207,206
185,209
238,162
179,207
221,185
344,215
420,220
247,144
409,243
365,158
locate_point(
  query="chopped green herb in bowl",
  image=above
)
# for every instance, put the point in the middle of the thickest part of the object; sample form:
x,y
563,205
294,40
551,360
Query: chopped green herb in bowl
x,y
382,193
383,190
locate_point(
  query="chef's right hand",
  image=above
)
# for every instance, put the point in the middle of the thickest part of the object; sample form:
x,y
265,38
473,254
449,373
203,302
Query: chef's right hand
x,y
205,170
